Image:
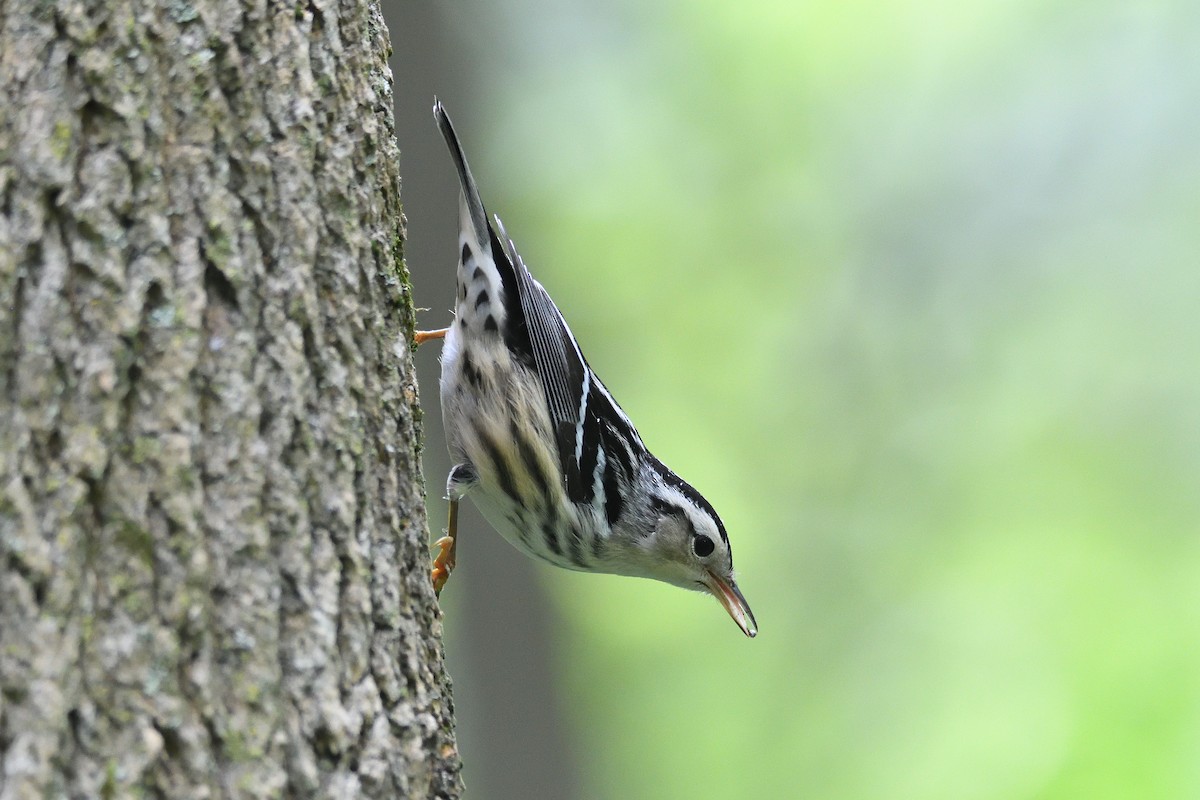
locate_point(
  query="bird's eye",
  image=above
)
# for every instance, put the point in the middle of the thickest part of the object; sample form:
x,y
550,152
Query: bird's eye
x,y
702,545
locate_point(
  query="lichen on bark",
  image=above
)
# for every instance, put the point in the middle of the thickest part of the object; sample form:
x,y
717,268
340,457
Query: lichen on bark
x,y
213,575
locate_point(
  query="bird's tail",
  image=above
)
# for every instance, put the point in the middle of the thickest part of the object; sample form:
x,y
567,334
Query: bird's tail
x,y
473,205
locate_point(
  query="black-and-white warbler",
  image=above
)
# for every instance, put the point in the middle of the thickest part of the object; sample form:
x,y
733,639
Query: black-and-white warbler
x,y
541,446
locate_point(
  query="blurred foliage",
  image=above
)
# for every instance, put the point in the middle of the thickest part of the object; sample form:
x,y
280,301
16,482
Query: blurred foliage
x,y
910,290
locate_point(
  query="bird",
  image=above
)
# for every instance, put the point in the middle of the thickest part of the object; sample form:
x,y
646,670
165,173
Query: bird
x,y
540,445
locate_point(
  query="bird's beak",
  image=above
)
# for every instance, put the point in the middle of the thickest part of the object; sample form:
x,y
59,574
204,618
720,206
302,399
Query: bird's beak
x,y
731,598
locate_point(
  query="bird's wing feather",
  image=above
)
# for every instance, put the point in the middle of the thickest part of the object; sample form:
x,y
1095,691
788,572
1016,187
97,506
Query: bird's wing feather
x,y
565,375
580,407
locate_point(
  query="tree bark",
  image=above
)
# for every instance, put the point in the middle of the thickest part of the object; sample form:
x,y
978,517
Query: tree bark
x,y
214,579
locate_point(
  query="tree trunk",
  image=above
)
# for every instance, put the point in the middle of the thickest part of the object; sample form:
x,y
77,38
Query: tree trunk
x,y
214,577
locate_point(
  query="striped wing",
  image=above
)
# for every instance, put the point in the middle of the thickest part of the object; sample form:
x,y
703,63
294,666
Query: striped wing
x,y
594,437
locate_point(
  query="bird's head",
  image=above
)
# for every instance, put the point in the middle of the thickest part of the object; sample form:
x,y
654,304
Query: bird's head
x,y
686,545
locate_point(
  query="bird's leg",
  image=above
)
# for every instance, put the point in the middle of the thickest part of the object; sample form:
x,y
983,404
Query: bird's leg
x,y
421,337
443,562
460,480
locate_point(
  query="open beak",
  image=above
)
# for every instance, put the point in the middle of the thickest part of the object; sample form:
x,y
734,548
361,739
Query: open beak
x,y
731,598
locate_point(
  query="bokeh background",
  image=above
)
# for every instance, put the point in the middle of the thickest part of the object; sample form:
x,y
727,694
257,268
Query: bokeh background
x,y
910,289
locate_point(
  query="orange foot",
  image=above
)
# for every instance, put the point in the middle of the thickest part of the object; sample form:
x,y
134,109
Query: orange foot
x,y
443,563
421,337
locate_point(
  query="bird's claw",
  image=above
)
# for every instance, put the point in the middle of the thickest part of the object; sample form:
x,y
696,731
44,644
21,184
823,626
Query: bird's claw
x,y
421,337
443,563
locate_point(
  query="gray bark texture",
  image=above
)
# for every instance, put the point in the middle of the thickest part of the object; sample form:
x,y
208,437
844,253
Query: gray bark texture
x,y
214,576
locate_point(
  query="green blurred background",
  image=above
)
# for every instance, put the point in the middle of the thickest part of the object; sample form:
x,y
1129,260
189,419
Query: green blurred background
x,y
910,290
